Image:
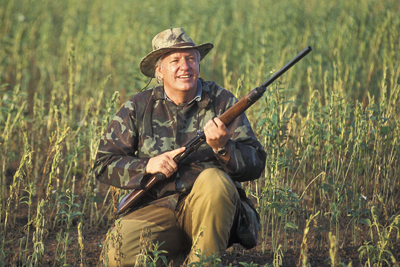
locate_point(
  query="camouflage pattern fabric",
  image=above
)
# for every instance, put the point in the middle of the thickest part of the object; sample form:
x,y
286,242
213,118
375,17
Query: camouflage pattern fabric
x,y
149,125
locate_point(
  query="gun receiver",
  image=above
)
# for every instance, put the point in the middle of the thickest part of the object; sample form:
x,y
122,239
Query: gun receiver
x,y
227,117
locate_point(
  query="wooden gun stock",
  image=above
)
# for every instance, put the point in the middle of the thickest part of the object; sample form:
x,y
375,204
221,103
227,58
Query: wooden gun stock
x,y
227,117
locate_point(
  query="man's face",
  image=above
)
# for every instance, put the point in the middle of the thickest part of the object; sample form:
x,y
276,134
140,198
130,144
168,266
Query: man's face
x,y
180,71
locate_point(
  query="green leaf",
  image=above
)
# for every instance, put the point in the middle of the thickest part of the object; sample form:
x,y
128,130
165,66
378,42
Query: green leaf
x,y
261,122
365,221
76,213
272,104
291,225
96,199
385,130
275,119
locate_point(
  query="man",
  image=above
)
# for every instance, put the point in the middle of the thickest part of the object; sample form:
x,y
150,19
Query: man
x,y
198,199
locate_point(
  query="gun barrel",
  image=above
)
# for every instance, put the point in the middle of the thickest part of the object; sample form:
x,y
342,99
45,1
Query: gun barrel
x,y
287,66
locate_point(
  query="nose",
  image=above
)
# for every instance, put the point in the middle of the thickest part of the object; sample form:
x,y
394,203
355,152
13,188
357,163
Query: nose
x,y
184,64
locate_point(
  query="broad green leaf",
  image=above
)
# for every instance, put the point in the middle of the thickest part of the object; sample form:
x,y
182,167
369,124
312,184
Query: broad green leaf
x,y
365,221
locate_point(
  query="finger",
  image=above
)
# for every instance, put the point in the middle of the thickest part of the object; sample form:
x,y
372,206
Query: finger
x,y
170,163
164,172
214,120
218,122
172,166
167,171
212,131
220,125
159,163
210,135
165,168
177,151
210,124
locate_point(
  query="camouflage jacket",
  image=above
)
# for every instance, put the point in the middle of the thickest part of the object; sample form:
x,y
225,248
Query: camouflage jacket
x,y
149,125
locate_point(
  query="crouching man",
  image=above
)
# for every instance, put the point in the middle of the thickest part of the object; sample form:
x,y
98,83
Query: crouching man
x,y
199,194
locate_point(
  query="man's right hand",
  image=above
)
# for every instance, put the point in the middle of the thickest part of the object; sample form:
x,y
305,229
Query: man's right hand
x,y
164,163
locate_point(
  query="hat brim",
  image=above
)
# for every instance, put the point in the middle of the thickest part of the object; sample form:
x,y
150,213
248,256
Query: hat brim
x,y
147,64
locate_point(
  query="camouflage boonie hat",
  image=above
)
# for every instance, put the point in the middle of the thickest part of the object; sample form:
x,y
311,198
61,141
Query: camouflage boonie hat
x,y
167,41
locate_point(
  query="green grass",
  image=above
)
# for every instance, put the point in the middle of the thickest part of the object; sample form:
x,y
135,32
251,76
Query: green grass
x,y
330,125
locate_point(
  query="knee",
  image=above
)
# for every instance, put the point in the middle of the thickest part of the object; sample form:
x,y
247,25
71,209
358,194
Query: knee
x,y
214,184
214,179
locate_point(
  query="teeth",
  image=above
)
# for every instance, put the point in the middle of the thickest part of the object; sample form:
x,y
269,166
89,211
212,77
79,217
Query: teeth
x,y
184,76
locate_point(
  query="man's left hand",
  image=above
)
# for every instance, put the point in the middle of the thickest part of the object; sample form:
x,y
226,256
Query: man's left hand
x,y
217,134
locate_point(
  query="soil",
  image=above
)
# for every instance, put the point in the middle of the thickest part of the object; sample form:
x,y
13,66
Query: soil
x,y
317,246
316,255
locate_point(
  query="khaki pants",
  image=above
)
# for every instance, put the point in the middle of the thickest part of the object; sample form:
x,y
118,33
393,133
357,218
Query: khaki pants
x,y
212,204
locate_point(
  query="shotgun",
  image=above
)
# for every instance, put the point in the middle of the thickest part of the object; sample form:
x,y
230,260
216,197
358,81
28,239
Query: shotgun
x,y
227,117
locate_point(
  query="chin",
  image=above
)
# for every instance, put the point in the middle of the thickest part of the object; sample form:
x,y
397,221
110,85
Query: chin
x,y
186,87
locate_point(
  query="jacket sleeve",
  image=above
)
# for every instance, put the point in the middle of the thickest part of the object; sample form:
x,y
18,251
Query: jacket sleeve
x,y
247,156
116,162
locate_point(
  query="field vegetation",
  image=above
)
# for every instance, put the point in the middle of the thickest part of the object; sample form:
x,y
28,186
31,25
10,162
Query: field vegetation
x,y
330,125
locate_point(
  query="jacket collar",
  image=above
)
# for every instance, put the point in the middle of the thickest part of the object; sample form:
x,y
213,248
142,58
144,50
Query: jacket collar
x,y
202,94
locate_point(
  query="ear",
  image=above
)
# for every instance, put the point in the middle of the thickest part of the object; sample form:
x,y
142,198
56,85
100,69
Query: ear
x,y
159,72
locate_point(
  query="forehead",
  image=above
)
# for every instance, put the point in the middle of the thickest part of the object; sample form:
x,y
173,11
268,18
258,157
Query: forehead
x,y
181,53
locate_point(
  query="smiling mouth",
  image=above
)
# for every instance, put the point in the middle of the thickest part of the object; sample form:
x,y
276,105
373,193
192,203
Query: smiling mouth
x,y
184,76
